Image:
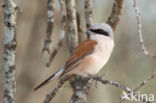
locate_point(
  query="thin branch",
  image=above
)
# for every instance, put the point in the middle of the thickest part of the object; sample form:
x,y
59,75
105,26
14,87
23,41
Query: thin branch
x,y
9,68
142,84
116,12
121,86
145,81
99,78
51,95
61,33
50,25
88,5
146,52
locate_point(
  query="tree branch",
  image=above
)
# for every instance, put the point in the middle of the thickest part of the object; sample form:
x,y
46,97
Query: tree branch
x,y
121,86
145,51
80,31
116,12
72,33
51,95
57,48
88,14
50,24
145,81
9,70
61,33
80,86
142,84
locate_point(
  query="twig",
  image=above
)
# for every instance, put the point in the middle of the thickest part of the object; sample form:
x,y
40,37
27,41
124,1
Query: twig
x,y
145,81
142,84
88,14
121,86
50,24
146,52
9,55
61,33
116,12
99,78
51,95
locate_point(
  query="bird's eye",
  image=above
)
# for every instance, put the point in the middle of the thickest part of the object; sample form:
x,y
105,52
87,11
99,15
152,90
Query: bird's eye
x,y
100,31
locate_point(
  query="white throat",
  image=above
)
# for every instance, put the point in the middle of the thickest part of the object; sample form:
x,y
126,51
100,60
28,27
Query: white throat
x,y
103,49
101,38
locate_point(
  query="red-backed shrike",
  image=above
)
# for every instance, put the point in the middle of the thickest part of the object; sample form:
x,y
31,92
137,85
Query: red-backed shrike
x,y
90,56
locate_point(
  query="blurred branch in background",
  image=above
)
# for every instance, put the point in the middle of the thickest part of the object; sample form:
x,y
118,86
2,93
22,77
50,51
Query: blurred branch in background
x,y
80,31
50,25
146,52
88,5
61,33
9,68
116,12
72,33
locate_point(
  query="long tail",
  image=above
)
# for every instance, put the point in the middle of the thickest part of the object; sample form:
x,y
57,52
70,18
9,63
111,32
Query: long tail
x,y
49,79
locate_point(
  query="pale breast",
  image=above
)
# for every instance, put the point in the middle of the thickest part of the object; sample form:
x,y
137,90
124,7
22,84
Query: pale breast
x,y
93,63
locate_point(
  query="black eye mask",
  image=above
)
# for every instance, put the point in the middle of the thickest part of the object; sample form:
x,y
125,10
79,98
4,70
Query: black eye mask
x,y
99,31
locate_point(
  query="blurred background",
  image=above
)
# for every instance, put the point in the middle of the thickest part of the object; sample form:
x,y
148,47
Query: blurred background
x,y
127,65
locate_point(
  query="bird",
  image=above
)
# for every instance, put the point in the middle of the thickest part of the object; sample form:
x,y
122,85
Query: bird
x,y
90,56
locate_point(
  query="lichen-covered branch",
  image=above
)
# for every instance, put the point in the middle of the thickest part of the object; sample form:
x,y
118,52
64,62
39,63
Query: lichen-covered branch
x,y
145,51
63,13
80,86
88,5
51,95
50,25
9,70
61,33
115,14
72,33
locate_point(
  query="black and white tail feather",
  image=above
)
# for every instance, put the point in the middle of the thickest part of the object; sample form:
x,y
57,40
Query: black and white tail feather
x,y
59,72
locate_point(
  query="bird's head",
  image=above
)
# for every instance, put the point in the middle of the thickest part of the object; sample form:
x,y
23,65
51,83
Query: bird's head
x,y
100,29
